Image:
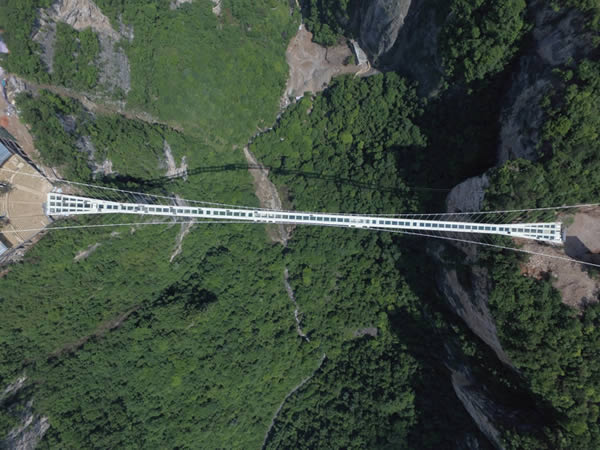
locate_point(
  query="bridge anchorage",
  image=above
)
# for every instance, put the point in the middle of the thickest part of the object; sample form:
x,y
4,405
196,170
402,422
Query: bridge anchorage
x,y
70,205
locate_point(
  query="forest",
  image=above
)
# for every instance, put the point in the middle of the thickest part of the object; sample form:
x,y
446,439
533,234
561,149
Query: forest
x,y
329,21
131,346
569,148
25,57
75,58
200,71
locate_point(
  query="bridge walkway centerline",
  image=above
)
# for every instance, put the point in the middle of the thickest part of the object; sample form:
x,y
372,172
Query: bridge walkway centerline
x,y
67,205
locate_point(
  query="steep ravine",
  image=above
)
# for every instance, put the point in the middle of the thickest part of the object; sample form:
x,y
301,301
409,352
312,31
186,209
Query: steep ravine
x,y
403,35
466,286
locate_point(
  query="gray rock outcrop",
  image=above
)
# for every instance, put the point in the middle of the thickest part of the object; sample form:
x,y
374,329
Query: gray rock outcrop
x,y
28,433
403,35
479,406
468,195
468,292
380,24
523,117
30,428
114,72
559,36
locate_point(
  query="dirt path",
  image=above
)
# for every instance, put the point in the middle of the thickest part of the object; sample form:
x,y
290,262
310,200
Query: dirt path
x,y
288,395
99,332
268,197
172,169
83,254
103,106
575,284
297,314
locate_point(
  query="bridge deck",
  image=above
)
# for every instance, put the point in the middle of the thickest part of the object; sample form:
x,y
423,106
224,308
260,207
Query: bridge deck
x,y
66,205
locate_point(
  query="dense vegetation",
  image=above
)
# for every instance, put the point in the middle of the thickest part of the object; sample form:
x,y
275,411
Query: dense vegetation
x,y
75,57
75,52
184,365
335,173
150,382
46,115
329,21
188,66
477,38
556,351
567,172
17,18
135,148
362,400
481,36
204,72
356,132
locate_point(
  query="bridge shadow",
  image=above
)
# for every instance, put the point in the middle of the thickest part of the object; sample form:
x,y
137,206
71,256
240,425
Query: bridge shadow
x,y
164,181
576,249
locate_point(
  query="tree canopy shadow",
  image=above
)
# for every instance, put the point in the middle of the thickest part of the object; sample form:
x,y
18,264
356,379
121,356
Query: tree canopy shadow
x,y
166,180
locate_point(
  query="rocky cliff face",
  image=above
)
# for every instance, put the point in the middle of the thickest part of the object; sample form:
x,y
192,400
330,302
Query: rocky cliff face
x,y
557,37
82,14
476,402
468,296
403,35
28,433
380,24
31,427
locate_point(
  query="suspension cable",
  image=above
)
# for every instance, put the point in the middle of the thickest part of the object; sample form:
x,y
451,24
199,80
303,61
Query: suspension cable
x,y
467,241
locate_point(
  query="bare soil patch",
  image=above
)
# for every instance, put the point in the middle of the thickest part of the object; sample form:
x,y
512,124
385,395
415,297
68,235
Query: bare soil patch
x,y
268,197
312,67
574,281
583,235
172,169
87,252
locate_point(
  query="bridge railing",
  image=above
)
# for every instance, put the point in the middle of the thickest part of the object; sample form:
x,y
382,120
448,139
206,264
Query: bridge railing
x,y
67,205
